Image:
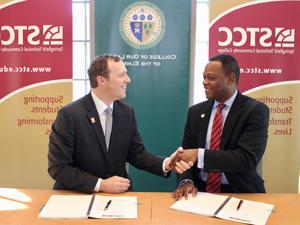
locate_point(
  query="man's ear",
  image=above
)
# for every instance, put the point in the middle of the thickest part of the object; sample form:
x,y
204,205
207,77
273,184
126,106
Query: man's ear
x,y
231,78
101,80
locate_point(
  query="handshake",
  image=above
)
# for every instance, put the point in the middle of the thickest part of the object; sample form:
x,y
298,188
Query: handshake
x,y
182,160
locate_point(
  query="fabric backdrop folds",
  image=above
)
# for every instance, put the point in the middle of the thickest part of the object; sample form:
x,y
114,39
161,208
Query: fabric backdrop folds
x,y
158,61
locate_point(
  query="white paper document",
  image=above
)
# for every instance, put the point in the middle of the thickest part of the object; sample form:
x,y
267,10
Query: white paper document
x,y
249,212
226,207
66,206
119,207
204,203
85,206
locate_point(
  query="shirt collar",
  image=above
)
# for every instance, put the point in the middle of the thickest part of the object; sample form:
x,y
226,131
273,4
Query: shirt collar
x,y
228,102
100,105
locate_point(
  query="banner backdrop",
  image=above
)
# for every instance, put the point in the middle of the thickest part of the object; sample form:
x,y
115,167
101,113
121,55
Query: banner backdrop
x,y
262,36
153,38
35,78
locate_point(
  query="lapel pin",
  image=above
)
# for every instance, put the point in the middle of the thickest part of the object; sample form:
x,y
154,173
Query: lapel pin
x,y
202,115
93,120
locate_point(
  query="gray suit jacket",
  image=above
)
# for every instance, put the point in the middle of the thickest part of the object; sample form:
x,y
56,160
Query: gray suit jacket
x,y
243,143
77,151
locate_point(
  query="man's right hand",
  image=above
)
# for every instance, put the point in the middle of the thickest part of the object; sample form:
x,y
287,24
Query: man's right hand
x,y
183,159
114,185
185,190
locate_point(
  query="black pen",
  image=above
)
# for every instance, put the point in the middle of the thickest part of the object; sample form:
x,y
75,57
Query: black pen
x,y
239,205
107,205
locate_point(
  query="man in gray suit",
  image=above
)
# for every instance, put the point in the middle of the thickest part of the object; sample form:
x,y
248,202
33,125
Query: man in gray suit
x,y
242,141
88,153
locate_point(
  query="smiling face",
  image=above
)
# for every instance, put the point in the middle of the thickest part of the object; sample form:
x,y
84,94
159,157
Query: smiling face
x,y
113,87
218,86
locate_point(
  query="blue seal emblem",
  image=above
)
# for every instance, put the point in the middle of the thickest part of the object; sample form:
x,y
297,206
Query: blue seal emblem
x,y
142,25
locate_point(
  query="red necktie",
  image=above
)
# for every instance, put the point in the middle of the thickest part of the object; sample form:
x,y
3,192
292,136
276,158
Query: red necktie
x,y
213,184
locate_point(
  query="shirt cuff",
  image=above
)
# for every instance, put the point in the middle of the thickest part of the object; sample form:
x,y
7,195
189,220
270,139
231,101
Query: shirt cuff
x,y
98,184
200,164
163,166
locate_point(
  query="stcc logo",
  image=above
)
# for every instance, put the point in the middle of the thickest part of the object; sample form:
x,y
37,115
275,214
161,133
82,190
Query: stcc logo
x,y
265,37
32,35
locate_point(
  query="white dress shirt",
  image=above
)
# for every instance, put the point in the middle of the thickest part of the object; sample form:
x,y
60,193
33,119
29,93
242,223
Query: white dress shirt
x,y
101,107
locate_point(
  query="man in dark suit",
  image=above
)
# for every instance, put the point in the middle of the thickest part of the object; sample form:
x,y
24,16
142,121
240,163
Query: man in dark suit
x,y
243,137
88,153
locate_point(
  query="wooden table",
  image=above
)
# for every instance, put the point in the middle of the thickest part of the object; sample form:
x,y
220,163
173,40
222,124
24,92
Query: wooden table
x,y
154,208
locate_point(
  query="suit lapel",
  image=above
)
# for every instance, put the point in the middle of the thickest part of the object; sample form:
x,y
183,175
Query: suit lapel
x,y
204,116
116,123
93,117
231,119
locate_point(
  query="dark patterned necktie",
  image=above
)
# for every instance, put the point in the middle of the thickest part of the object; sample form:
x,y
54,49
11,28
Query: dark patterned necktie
x,y
213,184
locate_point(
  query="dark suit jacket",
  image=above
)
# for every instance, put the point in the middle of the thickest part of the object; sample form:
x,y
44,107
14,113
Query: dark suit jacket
x,y
243,143
77,152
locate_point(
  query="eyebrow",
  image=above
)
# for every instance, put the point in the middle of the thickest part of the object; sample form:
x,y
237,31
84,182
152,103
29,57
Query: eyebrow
x,y
123,72
210,74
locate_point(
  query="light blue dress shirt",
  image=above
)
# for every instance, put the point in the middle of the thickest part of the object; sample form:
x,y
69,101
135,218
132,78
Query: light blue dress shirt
x,y
228,103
